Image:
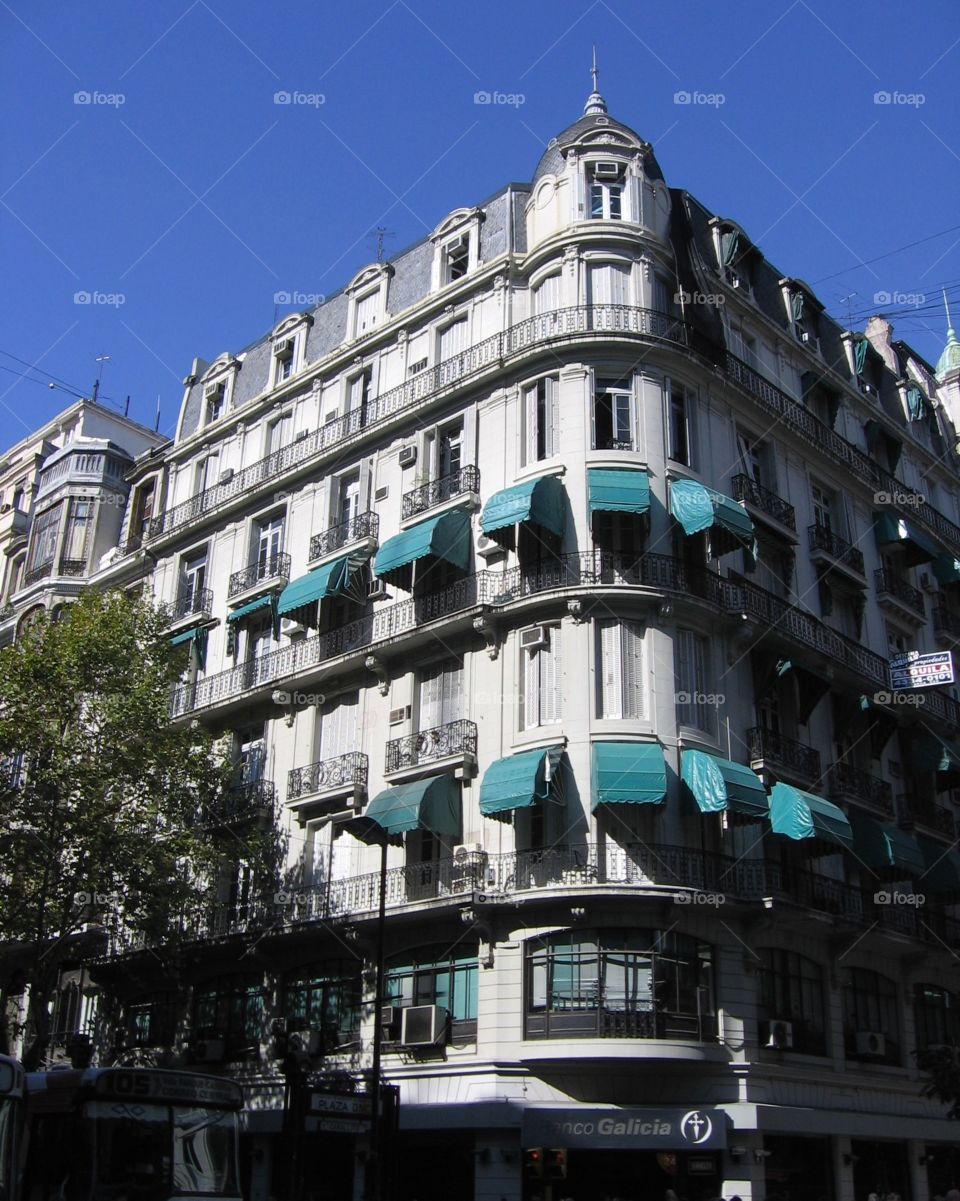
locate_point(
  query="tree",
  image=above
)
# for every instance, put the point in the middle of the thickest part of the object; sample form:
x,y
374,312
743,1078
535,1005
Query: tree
x,y
100,795
941,1065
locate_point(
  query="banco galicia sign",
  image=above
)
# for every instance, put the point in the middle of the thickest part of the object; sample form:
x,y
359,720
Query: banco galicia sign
x,y
626,1129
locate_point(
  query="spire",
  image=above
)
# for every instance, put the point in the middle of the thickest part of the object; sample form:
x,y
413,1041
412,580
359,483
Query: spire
x,y
595,102
949,361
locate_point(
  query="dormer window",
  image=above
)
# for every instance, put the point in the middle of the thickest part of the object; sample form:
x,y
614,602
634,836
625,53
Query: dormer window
x,y
606,192
456,258
283,359
368,310
456,246
214,401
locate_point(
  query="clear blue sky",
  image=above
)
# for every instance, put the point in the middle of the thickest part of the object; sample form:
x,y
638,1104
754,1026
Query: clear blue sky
x,y
183,188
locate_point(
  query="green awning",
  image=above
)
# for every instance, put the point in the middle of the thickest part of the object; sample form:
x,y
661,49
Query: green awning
x,y
518,781
254,606
329,580
882,845
627,773
889,530
446,536
699,508
947,569
540,501
432,804
180,639
618,490
197,641
799,815
719,784
941,866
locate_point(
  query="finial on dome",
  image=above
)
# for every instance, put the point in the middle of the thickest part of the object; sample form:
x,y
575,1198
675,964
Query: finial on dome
x,y
595,102
949,360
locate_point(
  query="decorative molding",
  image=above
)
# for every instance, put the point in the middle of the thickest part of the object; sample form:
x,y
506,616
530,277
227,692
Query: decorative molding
x,y
379,669
488,632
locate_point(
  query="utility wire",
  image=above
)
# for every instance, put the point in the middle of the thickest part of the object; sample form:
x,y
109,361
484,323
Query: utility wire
x,y
888,255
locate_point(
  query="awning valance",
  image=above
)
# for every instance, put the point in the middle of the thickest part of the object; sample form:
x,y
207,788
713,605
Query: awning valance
x,y
941,866
891,530
196,639
719,784
328,580
800,815
699,508
882,845
627,773
182,639
518,781
254,606
540,501
446,536
432,804
618,490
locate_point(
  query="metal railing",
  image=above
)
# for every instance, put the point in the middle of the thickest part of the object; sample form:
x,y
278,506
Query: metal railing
x,y
190,602
72,567
435,492
890,584
836,547
266,568
453,738
340,771
246,800
946,621
363,525
746,489
777,750
38,573
927,813
847,780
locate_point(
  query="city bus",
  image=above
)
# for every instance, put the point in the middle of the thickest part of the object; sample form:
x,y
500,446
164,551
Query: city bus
x,y
11,1120
130,1134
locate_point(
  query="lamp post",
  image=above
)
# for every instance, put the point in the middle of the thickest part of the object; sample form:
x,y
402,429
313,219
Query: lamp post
x,y
374,1182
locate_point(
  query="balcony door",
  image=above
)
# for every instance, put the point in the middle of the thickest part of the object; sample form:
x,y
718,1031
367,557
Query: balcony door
x,y
440,698
269,546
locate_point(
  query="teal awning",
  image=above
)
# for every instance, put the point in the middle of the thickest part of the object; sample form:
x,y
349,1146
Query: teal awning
x,y
180,639
947,569
719,784
627,773
254,606
699,508
882,845
618,490
518,781
444,537
197,641
432,804
889,529
540,501
799,815
328,580
941,866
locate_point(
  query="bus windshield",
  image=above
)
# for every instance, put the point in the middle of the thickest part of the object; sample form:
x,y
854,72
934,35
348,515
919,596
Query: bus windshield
x,y
8,1108
204,1151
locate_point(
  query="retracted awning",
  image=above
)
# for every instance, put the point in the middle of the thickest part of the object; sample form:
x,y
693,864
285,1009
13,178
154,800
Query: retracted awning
x,y
518,781
941,866
719,784
328,580
627,773
800,815
446,536
947,569
618,490
882,845
540,501
891,530
196,639
181,639
699,508
254,606
432,804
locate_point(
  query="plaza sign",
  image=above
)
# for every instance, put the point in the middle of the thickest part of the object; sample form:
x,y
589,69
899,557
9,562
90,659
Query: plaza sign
x,y
626,1129
914,670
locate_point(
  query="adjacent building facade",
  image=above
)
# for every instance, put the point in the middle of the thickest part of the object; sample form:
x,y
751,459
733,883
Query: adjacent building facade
x,y
565,555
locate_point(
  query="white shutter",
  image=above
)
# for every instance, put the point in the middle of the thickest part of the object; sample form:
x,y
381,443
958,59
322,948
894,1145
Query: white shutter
x,y
530,667
338,729
550,681
631,649
609,681
431,699
367,311
682,663
453,339
546,299
552,415
356,392
314,857
451,699
530,401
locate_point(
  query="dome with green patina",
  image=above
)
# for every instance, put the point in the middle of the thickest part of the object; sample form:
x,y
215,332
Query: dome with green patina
x,y
949,361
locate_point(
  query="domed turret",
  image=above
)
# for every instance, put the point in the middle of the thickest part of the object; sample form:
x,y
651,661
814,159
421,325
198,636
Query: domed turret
x,y
949,361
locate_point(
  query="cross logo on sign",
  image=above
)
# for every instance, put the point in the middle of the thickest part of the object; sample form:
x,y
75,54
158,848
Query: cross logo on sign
x,y
696,1127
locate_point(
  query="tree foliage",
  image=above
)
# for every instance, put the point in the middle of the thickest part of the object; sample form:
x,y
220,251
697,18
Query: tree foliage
x,y
941,1065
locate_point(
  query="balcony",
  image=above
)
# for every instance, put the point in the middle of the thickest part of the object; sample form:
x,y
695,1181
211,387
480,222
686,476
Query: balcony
x,y
946,626
465,482
270,571
244,801
896,595
192,603
765,504
73,567
338,774
918,811
783,757
835,552
849,783
362,527
455,740
36,574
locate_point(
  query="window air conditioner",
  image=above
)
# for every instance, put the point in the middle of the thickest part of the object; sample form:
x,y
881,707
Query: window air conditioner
x,y
6,507
208,1050
806,336
467,848
283,348
606,171
212,391
736,281
776,1034
381,493
389,1015
487,547
534,638
422,1025
399,715
869,1042
291,627
377,590
408,456
226,475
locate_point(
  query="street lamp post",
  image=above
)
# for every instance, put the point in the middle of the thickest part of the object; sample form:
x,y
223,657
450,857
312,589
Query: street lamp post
x,y
374,1182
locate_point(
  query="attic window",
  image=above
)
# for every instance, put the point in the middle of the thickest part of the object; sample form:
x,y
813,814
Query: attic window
x,y
283,358
606,192
214,397
456,258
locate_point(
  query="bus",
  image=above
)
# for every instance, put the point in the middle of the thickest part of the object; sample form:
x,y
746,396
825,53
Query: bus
x,y
130,1134
11,1118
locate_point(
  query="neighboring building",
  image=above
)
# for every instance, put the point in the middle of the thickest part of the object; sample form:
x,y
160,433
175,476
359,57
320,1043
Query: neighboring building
x,y
569,549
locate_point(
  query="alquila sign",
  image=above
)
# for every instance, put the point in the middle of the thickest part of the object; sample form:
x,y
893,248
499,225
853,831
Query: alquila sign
x,y
626,1129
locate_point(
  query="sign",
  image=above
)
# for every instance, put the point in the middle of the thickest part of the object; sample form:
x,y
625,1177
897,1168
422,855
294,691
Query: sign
x,y
701,1165
336,1126
343,1105
157,1084
914,670
626,1129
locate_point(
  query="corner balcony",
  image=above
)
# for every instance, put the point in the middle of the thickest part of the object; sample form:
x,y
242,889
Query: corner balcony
x,y
327,780
835,553
72,567
782,757
465,482
191,605
453,744
917,811
899,597
35,574
363,528
272,571
849,783
946,626
772,510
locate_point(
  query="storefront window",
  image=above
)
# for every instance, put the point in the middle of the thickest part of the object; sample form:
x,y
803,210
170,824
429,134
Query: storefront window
x,y
791,1002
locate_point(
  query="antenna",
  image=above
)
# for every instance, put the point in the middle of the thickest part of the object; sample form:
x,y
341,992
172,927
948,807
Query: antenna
x,y
101,359
847,301
594,71
946,306
381,234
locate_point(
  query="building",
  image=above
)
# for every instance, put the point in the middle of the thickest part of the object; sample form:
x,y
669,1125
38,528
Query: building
x,y
567,552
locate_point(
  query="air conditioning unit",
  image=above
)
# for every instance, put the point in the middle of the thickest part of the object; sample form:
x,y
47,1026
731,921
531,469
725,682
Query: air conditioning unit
x,y
423,1025
606,171
867,388
303,434
869,1042
927,582
399,715
408,456
283,348
291,627
487,547
381,493
736,281
534,638
377,590
307,1042
208,1050
212,391
467,848
226,475
390,1015
777,1035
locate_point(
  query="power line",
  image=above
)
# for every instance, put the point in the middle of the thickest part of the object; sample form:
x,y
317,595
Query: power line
x,y
48,375
42,383
888,255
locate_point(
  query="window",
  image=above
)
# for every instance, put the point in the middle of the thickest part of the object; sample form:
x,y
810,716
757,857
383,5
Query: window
x,y
606,192
456,258
661,295
260,643
620,676
753,456
541,403
679,423
339,728
283,356
349,498
269,543
449,450
743,345
937,1016
148,1024
79,521
440,697
326,999
898,643
232,1010
358,398
214,396
870,1009
193,575
436,977
279,433
142,510
367,312
540,682
251,757
206,473
823,502
791,990
546,296
453,340
18,496
691,656
44,545
608,283
613,416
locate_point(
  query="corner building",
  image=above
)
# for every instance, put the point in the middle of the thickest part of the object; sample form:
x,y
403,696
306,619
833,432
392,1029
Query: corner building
x,y
567,552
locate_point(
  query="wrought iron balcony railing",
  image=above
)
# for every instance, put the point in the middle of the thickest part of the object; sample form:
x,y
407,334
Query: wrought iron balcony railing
x,y
849,781
748,490
38,573
243,801
454,738
779,751
73,567
341,771
926,813
363,525
268,568
192,601
836,547
435,492
946,621
890,584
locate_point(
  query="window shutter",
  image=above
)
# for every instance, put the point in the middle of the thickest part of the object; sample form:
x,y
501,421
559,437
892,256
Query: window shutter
x,y
660,302
683,652
631,650
531,403
552,410
451,701
610,696
367,311
431,688
549,657
530,669
453,339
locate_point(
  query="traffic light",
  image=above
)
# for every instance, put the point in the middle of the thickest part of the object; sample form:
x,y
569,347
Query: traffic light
x,y
533,1163
556,1163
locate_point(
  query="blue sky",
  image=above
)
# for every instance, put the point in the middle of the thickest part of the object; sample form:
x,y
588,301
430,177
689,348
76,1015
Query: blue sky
x,y
148,166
